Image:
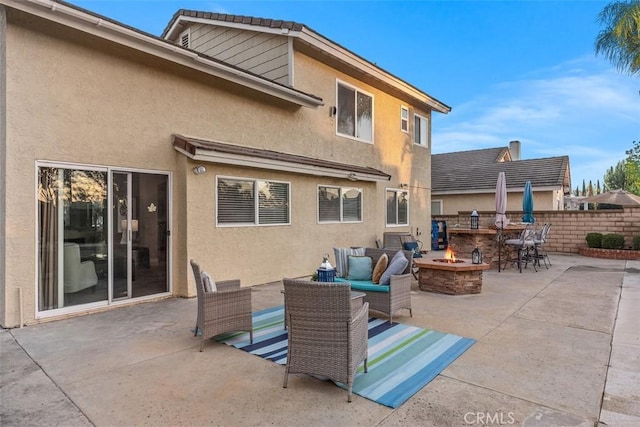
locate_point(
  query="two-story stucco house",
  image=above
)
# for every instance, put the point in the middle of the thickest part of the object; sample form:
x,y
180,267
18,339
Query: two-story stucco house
x,y
253,146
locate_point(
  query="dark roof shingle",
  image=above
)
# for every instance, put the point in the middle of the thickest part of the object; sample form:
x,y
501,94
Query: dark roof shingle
x,y
478,170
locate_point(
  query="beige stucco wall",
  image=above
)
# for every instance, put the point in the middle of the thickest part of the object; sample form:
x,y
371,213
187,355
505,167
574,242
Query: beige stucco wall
x,y
393,151
452,204
75,98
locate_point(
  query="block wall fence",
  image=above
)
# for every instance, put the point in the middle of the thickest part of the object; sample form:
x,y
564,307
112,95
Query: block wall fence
x,y
569,228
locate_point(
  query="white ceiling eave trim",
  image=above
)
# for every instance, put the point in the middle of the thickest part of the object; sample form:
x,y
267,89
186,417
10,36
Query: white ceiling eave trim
x,y
343,54
204,155
107,30
493,191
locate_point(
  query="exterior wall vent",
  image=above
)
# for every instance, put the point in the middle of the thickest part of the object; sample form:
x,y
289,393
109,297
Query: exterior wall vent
x,y
185,39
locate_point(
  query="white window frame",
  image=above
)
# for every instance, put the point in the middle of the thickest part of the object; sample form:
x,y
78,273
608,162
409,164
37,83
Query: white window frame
x,y
440,203
398,191
256,198
424,127
109,301
404,119
356,91
341,191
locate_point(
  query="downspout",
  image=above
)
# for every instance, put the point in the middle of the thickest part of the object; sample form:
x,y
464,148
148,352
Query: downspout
x,y
3,162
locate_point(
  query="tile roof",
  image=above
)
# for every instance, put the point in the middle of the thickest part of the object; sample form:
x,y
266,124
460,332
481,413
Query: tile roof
x,y
478,170
236,19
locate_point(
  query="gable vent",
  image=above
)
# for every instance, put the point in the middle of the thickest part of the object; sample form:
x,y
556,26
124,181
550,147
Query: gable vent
x,y
184,39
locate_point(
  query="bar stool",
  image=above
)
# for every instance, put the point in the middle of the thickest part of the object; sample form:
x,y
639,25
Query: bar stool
x,y
524,247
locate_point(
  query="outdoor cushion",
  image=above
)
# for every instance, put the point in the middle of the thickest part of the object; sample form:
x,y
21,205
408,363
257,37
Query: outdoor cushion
x,y
396,266
380,267
413,246
341,255
360,267
208,282
364,285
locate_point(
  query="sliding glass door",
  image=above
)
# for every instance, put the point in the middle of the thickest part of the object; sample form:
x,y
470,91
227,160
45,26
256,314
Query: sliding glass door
x,y
91,254
139,234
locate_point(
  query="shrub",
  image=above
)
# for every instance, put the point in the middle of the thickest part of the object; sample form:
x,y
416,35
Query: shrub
x,y
636,243
594,240
613,241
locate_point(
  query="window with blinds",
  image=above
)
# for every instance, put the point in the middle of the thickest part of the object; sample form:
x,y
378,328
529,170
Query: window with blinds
x,y
252,202
339,204
397,207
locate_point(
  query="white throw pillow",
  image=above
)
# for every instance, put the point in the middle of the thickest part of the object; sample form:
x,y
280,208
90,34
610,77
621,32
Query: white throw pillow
x,y
208,282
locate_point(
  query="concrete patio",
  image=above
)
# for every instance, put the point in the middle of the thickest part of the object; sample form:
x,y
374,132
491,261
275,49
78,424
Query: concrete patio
x,y
556,347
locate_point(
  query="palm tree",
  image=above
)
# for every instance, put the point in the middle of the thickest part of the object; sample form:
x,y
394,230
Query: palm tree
x,y
619,41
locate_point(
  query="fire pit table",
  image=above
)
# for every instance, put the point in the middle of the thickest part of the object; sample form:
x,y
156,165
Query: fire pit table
x,y
450,276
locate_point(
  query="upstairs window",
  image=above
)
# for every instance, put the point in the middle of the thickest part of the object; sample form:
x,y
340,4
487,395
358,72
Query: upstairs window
x,y
421,130
397,207
355,113
404,119
252,202
339,204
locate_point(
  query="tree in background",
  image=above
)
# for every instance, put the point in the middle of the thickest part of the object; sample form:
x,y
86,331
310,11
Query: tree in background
x,y
616,177
633,167
619,40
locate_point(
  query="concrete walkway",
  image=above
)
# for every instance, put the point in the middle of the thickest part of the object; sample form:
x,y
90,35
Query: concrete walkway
x,y
543,357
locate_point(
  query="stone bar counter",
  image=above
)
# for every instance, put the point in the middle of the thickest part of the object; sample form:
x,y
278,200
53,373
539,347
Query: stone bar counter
x,y
463,241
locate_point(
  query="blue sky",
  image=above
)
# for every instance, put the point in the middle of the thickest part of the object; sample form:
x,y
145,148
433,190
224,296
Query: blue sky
x,y
522,70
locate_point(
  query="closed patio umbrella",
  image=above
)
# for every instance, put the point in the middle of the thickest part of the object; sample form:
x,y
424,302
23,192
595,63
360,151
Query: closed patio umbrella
x,y
527,203
501,209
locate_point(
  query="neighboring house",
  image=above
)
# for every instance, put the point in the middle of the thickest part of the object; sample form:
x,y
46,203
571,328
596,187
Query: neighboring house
x,y
252,146
466,180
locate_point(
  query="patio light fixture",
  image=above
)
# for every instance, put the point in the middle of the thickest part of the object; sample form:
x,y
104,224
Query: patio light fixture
x,y
474,220
199,170
476,256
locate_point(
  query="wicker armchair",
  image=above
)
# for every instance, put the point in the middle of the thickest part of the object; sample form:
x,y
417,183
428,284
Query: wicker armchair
x,y
326,336
226,310
399,295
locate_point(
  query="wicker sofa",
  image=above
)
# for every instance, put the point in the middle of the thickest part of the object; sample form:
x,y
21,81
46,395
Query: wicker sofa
x,y
386,299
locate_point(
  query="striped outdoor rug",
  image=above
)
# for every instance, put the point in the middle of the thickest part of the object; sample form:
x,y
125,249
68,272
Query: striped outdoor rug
x,y
402,358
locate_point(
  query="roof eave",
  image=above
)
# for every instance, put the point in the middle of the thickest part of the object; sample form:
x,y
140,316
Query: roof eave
x,y
325,45
183,145
92,24
322,43
493,190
